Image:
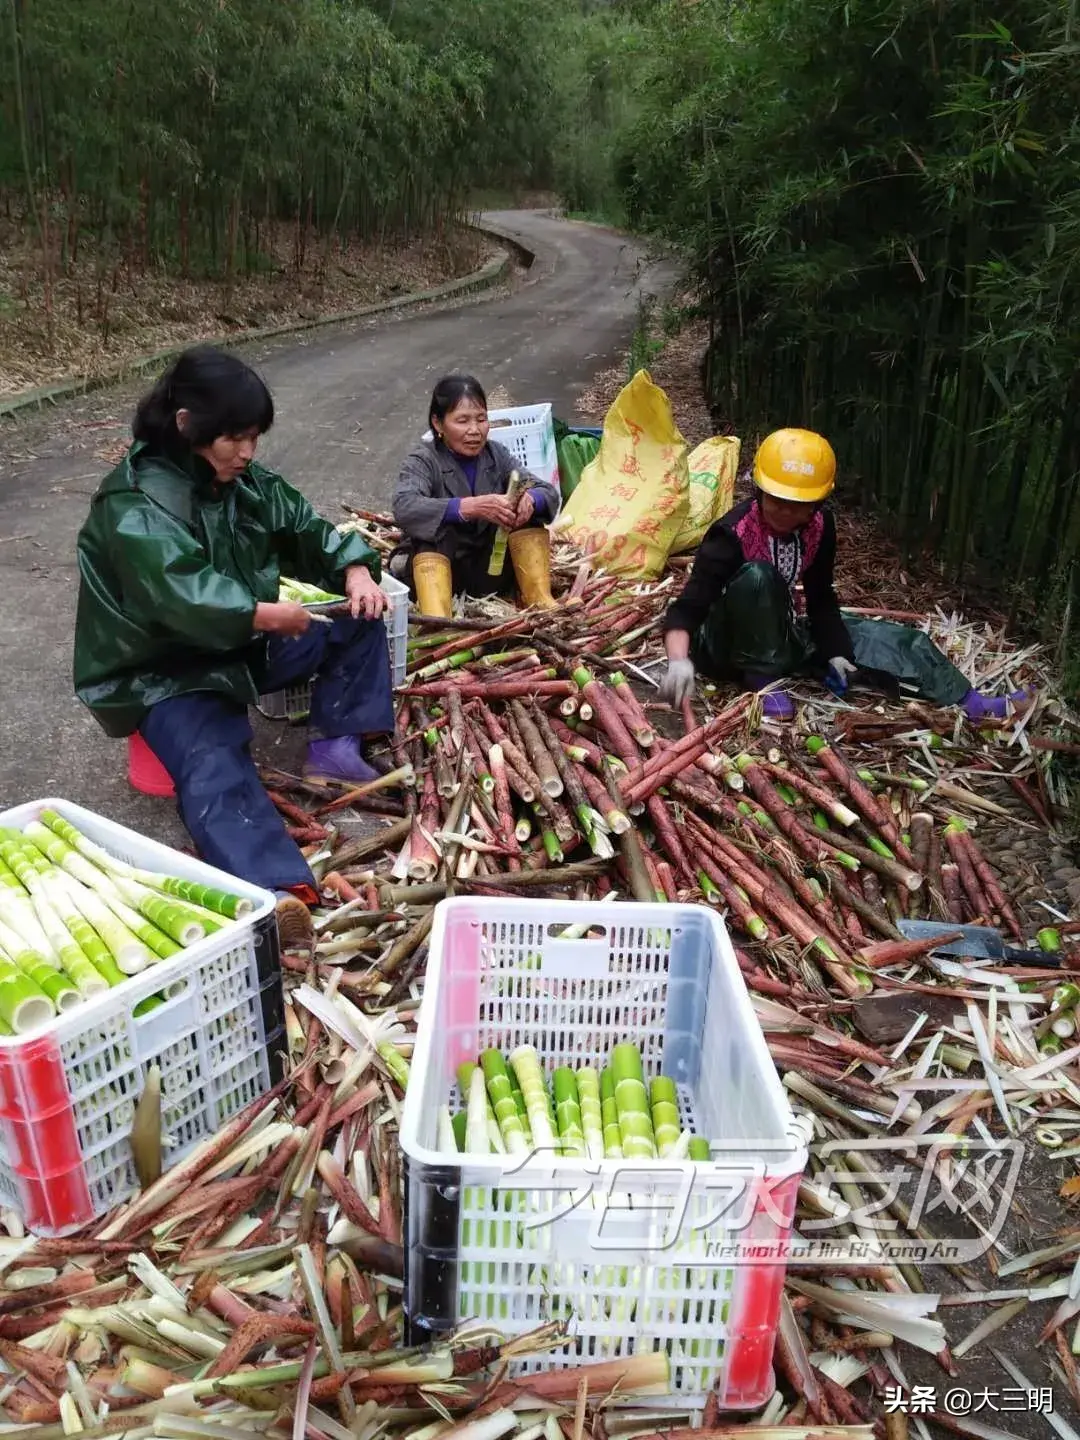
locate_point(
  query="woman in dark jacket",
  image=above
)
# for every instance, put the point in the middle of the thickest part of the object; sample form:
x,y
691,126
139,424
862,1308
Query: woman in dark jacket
x,y
760,602
179,626
451,500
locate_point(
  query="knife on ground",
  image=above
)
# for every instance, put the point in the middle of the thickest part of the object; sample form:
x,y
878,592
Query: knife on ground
x,y
978,942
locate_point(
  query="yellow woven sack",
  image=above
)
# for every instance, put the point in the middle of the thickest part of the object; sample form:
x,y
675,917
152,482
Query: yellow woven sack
x,y
713,467
633,499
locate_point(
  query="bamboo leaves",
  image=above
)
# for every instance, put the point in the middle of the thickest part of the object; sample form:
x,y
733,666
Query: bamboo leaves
x,y
894,261
172,135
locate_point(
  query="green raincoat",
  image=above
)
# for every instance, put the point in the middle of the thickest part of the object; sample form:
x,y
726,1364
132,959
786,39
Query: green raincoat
x,y
171,567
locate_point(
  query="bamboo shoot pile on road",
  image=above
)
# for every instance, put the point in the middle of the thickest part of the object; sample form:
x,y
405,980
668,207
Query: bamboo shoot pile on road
x,y
255,1287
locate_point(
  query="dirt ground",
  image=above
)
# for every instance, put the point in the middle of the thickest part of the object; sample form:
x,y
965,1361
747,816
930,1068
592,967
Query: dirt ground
x,y
96,313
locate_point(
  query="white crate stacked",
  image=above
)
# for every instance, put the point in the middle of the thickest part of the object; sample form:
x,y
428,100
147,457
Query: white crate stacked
x,y
68,1091
294,702
685,1256
528,433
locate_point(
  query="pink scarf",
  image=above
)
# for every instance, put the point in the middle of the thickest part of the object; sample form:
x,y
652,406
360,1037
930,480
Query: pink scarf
x,y
790,554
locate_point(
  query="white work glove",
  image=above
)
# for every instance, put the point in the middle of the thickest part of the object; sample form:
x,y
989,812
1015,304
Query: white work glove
x,y
678,683
843,669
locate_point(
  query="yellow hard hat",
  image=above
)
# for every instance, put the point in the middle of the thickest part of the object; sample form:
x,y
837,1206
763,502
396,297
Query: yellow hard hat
x,y
795,465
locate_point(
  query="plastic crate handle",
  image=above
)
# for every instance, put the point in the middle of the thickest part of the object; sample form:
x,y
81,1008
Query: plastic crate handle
x,y
576,959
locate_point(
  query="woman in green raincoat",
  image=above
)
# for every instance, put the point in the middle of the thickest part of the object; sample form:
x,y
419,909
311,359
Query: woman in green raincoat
x,y
179,626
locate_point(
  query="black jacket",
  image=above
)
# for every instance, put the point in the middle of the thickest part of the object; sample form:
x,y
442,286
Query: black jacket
x,y
721,555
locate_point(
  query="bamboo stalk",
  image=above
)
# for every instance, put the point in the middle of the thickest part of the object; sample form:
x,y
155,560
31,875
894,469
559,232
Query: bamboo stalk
x,y
543,761
893,870
986,877
608,717
860,796
516,761
969,880
637,721
816,794
521,689
616,819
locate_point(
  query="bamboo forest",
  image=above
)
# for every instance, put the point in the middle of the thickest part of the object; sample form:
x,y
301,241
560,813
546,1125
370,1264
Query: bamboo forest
x,y
877,201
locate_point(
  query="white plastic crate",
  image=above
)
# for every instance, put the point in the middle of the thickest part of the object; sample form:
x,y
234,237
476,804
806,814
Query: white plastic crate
x,y
68,1091
294,702
604,1245
528,432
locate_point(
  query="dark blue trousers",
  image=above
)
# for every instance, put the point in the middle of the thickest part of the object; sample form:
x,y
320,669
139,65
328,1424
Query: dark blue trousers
x,y
204,741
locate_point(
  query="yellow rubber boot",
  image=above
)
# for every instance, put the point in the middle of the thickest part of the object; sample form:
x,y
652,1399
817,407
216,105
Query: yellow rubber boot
x,y
434,584
530,551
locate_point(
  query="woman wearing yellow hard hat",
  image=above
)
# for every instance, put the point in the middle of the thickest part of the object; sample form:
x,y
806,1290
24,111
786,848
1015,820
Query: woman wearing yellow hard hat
x,y
760,602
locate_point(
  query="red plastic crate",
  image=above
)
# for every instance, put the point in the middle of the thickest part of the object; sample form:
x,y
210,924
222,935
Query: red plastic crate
x,y
68,1091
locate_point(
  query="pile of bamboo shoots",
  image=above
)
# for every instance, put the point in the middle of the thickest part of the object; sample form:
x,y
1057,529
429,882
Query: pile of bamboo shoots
x,y
75,920
256,1287
607,1115
531,760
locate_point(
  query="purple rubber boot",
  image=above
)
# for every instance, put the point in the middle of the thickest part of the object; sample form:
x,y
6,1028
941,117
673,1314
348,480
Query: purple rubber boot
x,y
338,759
992,707
777,705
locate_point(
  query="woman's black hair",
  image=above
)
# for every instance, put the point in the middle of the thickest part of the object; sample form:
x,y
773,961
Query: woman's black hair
x,y
449,393
221,394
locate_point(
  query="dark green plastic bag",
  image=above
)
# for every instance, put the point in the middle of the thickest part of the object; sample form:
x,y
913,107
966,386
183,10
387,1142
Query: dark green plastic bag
x,y
750,629
909,657
575,448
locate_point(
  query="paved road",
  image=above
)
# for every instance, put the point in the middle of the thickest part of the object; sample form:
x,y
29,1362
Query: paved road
x,y
350,400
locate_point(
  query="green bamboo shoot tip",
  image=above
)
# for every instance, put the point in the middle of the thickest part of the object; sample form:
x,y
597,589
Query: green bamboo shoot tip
x,y
708,889
592,1125
610,1116
500,1095
445,1138
568,1111
460,1123
395,1062
631,1100
24,1006
626,1062
147,1006
664,1106
476,1129
464,1078
525,1063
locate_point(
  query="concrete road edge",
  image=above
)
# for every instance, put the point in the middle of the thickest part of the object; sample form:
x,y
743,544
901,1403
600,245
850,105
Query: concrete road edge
x,y
477,282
